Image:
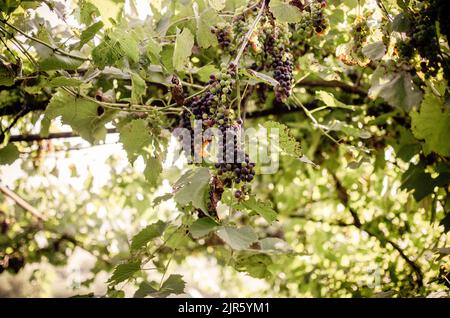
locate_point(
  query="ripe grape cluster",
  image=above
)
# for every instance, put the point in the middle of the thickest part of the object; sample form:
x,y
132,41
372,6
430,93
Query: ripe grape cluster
x,y
224,35
212,107
278,57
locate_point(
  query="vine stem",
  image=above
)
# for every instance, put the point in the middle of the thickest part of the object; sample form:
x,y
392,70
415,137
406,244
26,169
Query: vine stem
x,y
314,120
249,34
53,48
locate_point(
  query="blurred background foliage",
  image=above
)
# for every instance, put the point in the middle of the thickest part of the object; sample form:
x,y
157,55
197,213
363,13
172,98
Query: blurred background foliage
x,y
369,219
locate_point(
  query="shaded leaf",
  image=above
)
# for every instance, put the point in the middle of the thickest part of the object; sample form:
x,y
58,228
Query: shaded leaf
x,y
8,154
202,227
191,187
183,49
237,238
123,272
147,234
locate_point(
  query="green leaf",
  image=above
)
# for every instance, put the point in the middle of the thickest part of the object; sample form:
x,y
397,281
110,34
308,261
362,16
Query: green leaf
x,y
138,88
147,234
401,23
135,136
374,51
55,61
116,44
205,71
432,124
205,38
284,12
172,285
153,50
152,171
183,49
8,154
255,265
127,43
162,198
81,114
237,238
175,237
90,32
88,12
192,187
287,142
262,208
397,89
63,81
217,4
145,289
415,178
202,227
123,272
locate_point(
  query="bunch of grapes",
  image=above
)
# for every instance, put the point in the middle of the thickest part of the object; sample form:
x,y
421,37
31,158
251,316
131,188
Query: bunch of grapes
x,y
313,21
278,57
224,34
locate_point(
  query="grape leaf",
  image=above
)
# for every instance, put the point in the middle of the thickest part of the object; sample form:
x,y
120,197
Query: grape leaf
x,y
284,12
55,61
192,187
415,178
147,234
174,284
87,12
153,50
63,81
432,124
202,227
81,114
90,32
134,137
254,265
205,38
123,272
145,289
217,4
8,154
153,169
287,142
397,89
374,51
116,44
262,208
183,49
237,238
138,88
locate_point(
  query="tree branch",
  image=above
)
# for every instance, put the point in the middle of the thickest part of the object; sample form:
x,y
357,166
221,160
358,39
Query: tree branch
x,y
22,203
60,135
